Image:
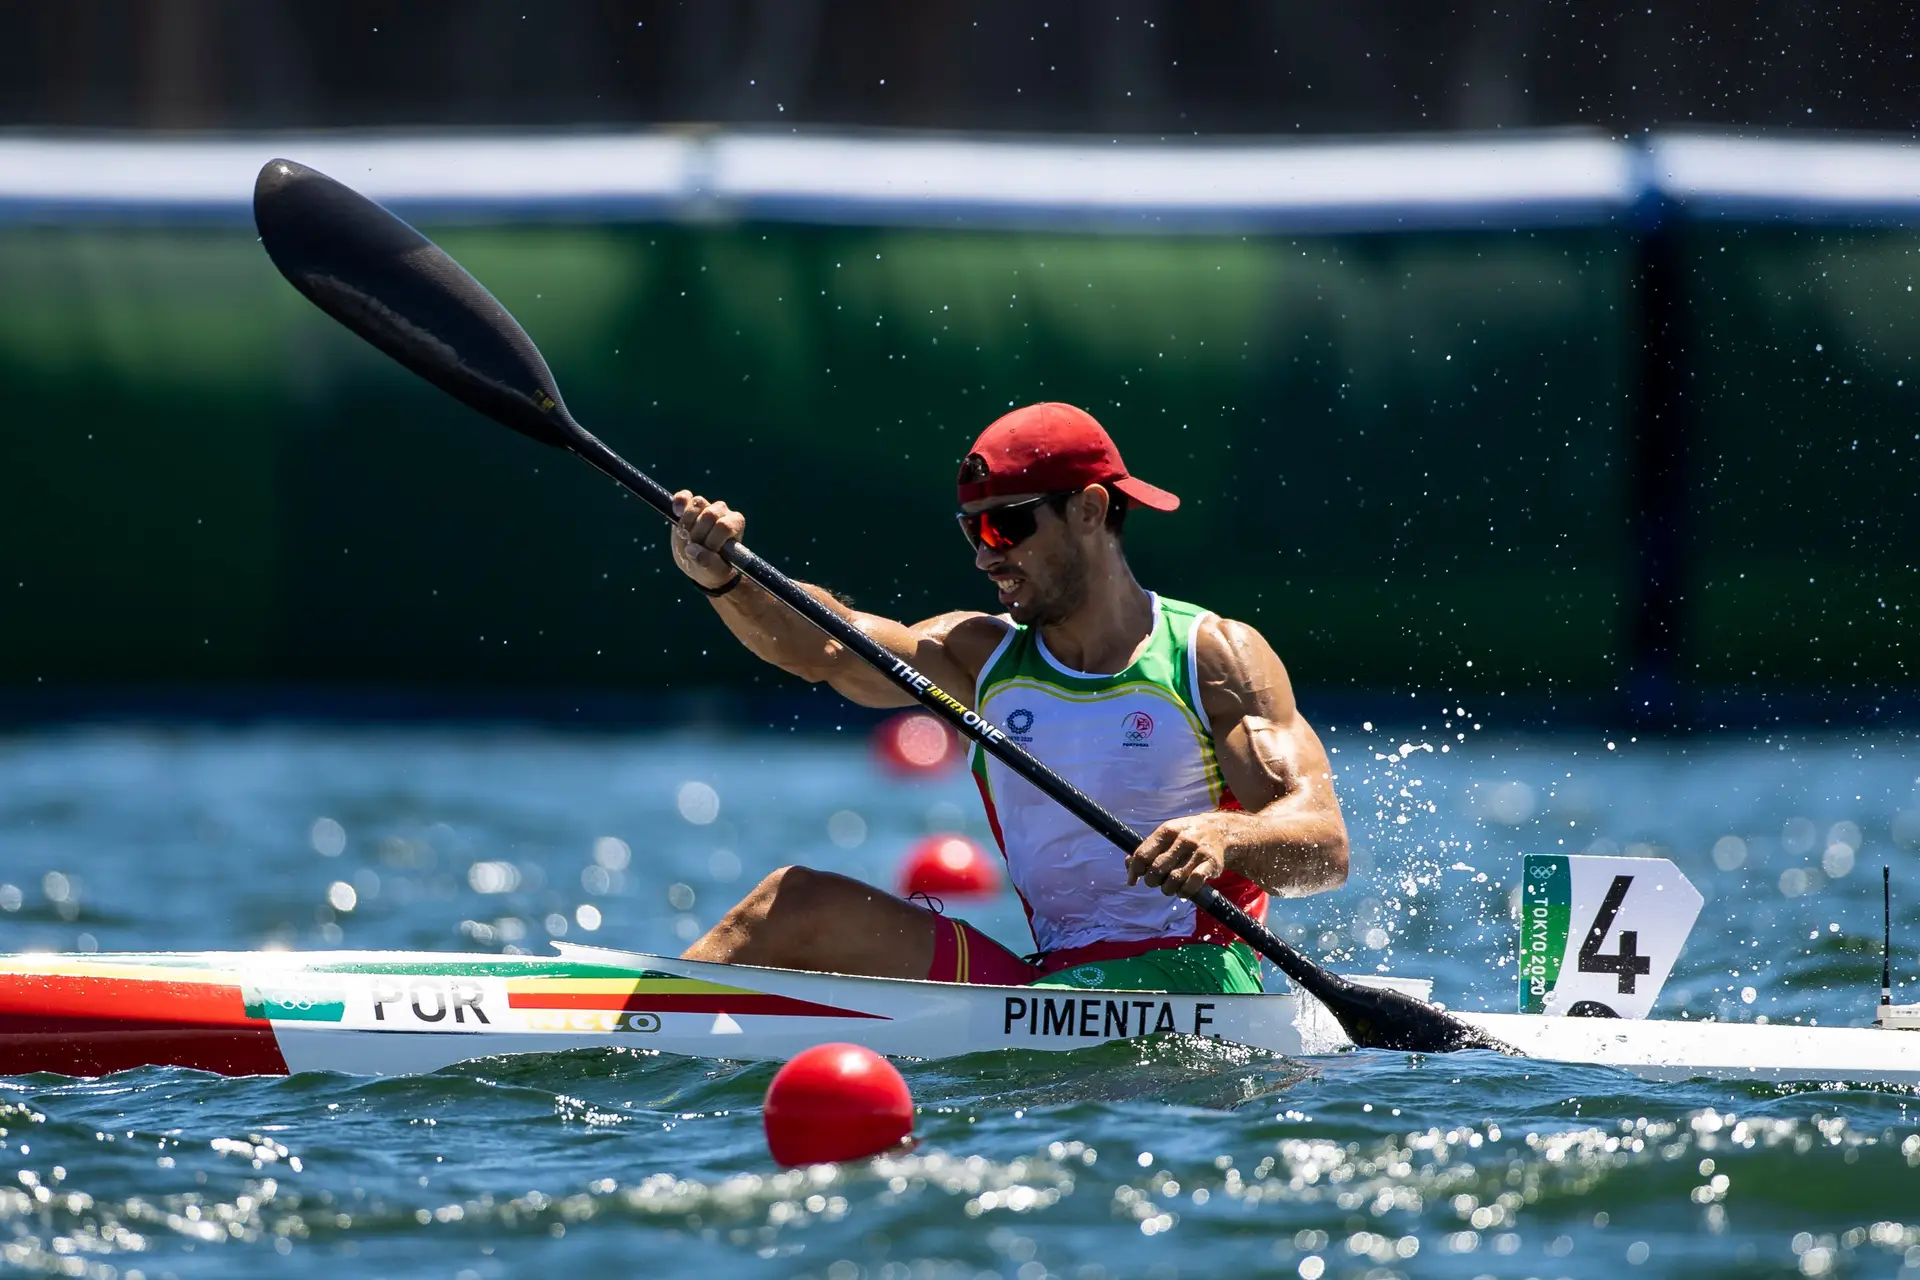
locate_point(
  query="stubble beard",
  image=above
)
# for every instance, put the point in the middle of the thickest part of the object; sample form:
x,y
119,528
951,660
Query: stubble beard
x,y
1065,578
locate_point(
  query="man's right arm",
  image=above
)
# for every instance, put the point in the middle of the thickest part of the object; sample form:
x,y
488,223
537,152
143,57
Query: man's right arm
x,y
949,649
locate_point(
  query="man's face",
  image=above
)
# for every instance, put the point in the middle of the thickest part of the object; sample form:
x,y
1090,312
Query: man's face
x,y
1043,578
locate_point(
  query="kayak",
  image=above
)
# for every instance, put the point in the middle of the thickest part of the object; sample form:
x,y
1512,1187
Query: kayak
x,y
401,1013
393,1013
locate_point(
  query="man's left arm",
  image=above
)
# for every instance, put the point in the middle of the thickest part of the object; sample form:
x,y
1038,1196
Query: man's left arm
x,y
1288,837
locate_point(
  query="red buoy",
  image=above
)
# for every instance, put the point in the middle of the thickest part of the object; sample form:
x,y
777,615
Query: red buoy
x,y
948,866
836,1102
915,743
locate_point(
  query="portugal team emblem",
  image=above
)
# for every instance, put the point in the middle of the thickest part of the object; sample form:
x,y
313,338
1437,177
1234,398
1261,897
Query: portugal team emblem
x,y
1137,728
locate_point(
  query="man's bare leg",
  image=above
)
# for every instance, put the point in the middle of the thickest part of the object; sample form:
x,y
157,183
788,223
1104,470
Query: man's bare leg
x,y
798,918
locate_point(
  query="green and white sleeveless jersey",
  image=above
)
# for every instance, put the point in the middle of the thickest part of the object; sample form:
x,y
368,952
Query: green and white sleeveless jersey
x,y
1139,743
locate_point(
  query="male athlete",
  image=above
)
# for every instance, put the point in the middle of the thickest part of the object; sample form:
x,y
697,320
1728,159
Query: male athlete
x,y
1179,722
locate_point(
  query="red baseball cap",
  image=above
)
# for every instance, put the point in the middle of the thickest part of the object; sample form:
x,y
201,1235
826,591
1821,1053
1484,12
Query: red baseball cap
x,y
1050,448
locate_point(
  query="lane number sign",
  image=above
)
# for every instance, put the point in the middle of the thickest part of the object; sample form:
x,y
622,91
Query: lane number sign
x,y
1599,935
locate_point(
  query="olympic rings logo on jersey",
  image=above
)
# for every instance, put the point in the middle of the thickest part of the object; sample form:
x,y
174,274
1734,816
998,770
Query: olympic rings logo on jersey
x,y
1136,729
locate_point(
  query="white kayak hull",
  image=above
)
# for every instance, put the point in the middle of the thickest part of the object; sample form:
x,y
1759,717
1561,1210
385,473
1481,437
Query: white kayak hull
x,y
1663,1049
896,1018
1668,1049
387,1013
404,1013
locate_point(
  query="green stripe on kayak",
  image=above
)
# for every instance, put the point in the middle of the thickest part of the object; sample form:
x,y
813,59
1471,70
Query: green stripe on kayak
x,y
486,967
284,1005
292,965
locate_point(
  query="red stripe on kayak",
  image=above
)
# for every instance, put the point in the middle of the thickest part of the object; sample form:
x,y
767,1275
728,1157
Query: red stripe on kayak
x,y
79,1026
640,1002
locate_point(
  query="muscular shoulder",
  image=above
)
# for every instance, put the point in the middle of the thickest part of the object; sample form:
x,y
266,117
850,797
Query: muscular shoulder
x,y
1239,673
967,638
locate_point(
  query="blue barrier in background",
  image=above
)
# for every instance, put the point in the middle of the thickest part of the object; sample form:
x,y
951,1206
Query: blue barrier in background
x,y
1395,184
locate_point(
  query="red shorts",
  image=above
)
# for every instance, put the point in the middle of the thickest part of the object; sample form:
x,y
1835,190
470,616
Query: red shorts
x,y
961,953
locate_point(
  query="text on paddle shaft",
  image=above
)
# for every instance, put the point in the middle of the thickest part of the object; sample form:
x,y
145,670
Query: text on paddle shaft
x,y
429,1000
1100,1016
922,685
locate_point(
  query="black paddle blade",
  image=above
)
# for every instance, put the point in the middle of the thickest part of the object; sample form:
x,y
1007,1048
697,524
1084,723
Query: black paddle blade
x,y
1378,1018
398,290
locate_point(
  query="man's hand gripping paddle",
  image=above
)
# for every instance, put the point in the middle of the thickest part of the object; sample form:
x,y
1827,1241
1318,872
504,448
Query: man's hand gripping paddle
x,y
391,285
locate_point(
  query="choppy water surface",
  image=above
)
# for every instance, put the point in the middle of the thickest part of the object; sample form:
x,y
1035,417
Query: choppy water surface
x,y
1148,1159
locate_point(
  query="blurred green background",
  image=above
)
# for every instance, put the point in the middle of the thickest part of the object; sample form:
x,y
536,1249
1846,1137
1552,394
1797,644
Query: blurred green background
x,y
1403,456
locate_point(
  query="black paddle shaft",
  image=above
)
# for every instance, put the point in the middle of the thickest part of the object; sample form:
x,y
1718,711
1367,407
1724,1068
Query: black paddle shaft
x,y
391,285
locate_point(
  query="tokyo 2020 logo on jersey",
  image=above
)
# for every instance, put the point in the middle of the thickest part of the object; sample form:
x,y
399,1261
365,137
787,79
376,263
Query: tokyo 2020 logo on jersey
x,y
1136,729
1019,721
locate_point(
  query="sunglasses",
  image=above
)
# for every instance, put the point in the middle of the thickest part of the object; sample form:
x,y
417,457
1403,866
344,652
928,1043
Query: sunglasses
x,y
1003,528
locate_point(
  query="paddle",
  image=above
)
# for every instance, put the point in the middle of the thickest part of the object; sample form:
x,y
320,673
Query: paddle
x,y
391,285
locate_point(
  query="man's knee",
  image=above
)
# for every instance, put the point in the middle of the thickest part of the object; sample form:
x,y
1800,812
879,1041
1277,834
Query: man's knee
x,y
799,891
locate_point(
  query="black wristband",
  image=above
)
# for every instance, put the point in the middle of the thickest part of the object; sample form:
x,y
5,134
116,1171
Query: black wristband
x,y
714,593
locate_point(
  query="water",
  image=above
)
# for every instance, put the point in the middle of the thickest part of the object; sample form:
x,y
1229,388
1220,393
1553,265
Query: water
x,y
1144,1159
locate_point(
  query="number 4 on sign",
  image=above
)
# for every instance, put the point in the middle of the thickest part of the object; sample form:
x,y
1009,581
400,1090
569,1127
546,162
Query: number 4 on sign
x,y
1599,934
1627,962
